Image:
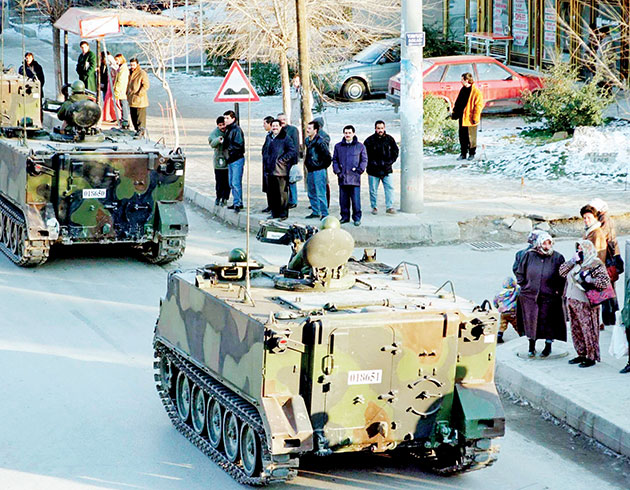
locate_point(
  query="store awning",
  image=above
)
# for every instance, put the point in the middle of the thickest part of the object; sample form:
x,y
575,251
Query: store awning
x,y
95,23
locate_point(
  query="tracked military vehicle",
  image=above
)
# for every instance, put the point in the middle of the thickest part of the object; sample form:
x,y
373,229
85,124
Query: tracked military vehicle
x,y
325,355
81,185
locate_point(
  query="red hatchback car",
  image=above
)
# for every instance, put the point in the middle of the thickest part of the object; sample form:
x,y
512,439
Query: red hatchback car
x,y
500,85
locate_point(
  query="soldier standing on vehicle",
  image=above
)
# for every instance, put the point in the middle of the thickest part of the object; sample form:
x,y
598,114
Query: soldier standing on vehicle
x,y
64,113
349,162
382,152
137,95
86,67
467,110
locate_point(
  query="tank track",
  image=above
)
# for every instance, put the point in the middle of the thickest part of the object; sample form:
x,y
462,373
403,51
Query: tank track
x,y
273,471
472,459
26,253
161,253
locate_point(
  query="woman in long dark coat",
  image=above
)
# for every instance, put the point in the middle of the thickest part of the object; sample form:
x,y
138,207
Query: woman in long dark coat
x,y
539,311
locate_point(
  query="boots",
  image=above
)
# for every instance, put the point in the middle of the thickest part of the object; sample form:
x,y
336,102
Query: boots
x,y
532,348
547,350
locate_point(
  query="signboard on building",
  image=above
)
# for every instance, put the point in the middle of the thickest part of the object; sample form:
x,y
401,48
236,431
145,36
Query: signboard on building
x,y
500,18
520,22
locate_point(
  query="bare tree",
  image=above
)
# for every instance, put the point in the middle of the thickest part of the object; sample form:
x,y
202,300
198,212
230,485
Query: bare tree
x,y
265,30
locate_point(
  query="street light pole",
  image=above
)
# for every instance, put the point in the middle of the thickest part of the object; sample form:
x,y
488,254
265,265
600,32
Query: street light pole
x,y
411,111
305,65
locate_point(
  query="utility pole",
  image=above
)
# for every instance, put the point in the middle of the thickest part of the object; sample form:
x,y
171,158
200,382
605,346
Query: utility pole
x,y
305,65
411,111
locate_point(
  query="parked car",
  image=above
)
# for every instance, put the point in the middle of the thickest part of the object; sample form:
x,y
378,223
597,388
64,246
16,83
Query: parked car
x,y
367,73
500,85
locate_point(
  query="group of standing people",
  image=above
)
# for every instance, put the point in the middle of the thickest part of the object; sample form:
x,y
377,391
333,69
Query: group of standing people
x,y
349,160
549,289
124,86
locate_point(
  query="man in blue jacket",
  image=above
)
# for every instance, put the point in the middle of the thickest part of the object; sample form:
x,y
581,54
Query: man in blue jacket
x,y
349,162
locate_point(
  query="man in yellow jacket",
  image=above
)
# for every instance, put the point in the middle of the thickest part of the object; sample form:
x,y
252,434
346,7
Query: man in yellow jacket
x,y
467,110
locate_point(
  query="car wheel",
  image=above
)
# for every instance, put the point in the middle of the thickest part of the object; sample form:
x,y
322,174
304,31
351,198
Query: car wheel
x,y
354,90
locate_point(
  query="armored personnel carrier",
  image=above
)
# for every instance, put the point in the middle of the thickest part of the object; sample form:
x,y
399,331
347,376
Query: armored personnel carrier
x,y
81,185
325,355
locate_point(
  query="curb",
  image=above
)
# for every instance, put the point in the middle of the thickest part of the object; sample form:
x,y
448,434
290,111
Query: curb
x,y
563,408
365,235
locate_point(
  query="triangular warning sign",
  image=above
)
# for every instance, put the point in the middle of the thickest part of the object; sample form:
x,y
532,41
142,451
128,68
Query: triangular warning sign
x,y
236,87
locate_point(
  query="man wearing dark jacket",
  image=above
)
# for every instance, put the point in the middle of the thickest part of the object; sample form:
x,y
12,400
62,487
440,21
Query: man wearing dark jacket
x,y
234,149
279,156
349,162
382,152
267,127
316,160
32,70
294,134
86,67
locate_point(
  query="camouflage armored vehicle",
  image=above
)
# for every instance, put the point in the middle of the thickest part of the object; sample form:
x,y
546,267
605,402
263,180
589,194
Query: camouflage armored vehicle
x,y
83,185
326,355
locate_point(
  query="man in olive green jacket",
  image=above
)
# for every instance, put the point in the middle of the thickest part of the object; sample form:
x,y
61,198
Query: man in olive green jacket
x,y
86,67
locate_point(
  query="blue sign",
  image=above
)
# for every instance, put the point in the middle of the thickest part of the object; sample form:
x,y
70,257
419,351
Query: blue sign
x,y
415,39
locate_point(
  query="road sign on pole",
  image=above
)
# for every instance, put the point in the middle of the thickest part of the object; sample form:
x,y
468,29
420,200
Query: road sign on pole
x,y
236,87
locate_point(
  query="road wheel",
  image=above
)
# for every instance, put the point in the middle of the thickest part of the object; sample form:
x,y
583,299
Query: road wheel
x,y
354,90
250,450
230,436
198,410
214,422
166,374
182,397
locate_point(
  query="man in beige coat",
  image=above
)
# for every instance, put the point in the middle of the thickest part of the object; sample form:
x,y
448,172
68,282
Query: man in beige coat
x,y
120,90
137,96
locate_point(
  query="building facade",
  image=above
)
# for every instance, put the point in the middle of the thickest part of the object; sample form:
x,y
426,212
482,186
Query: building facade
x,y
542,30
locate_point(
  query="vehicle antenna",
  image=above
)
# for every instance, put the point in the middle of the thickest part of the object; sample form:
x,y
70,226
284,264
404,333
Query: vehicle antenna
x,y
24,78
249,114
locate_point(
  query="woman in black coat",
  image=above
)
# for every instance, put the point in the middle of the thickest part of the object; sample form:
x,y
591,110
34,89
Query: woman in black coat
x,y
539,313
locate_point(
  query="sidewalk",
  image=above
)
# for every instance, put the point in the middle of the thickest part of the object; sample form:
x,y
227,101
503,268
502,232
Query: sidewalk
x,y
593,401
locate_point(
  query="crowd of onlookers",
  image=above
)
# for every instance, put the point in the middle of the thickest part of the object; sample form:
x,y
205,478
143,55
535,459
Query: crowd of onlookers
x,y
281,168
120,88
549,290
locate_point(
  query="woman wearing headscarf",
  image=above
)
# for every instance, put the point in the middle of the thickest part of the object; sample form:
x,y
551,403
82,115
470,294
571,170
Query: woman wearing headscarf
x,y
613,262
505,302
584,271
539,306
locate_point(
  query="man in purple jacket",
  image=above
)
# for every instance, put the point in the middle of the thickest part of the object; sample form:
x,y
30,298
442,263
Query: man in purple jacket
x,y
349,162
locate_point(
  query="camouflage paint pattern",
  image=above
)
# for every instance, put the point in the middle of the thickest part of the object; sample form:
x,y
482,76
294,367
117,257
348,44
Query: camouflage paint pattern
x,y
347,380
20,102
117,191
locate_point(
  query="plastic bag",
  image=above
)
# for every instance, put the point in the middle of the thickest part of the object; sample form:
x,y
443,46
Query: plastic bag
x,y
618,342
295,174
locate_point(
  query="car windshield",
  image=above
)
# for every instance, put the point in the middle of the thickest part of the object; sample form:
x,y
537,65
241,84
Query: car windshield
x,y
371,53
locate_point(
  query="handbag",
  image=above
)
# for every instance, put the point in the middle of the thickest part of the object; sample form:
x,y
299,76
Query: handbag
x,y
597,297
613,273
295,174
618,342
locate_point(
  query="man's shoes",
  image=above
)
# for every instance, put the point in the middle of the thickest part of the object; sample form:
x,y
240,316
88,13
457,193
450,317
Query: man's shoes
x,y
344,221
461,157
626,369
390,211
266,210
357,223
374,210
312,216
292,206
471,157
547,350
223,202
237,209
217,202
231,206
577,360
532,348
587,363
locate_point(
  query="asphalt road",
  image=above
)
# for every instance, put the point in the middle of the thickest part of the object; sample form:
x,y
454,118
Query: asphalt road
x,y
79,408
